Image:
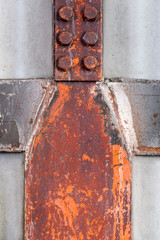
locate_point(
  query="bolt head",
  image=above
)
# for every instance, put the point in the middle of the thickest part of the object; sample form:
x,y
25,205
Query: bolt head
x,y
90,38
90,63
64,63
65,38
66,13
90,13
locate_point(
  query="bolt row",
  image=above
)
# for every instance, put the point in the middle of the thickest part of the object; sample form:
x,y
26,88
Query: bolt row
x,y
90,13
90,38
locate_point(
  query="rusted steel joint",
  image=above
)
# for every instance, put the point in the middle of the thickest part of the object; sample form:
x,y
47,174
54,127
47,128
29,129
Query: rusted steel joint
x,y
78,40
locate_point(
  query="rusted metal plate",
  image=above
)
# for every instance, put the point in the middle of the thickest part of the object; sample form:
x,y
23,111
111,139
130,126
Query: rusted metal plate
x,y
21,102
78,179
78,40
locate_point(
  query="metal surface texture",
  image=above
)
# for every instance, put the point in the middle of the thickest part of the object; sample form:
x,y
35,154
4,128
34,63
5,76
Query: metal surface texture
x,y
131,39
137,104
136,109
12,196
145,198
80,136
145,104
78,40
78,176
21,102
26,39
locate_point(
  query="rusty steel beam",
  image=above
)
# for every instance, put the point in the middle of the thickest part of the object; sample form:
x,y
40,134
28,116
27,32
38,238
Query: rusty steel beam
x,y
78,179
78,40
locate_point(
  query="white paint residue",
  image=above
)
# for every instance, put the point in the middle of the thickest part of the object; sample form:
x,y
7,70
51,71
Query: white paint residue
x,y
123,116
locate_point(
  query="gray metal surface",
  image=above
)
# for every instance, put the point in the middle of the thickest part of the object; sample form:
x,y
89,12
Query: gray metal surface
x,y
138,114
145,198
145,105
20,104
25,39
11,196
132,39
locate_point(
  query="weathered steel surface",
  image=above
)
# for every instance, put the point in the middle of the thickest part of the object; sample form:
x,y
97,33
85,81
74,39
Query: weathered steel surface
x,y
78,35
144,100
145,103
78,178
20,104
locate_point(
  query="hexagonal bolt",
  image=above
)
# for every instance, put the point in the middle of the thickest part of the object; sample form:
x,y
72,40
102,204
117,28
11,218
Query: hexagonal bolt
x,y
64,63
90,13
65,38
66,13
90,38
90,63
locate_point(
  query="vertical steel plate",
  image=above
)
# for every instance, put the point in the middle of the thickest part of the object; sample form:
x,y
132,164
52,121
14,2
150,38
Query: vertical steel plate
x,y
78,180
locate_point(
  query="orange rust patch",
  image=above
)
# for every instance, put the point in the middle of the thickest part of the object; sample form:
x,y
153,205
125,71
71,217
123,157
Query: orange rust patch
x,y
148,149
121,187
87,158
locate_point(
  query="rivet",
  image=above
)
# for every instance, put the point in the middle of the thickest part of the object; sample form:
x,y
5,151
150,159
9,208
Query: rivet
x,y
90,38
65,38
64,63
66,13
90,63
90,13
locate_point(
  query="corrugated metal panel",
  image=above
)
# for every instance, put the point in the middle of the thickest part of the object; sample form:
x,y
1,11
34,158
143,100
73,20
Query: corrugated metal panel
x,y
146,197
26,39
132,39
11,196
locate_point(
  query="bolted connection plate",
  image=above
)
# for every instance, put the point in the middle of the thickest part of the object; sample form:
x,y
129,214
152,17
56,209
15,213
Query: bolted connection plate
x,y
78,40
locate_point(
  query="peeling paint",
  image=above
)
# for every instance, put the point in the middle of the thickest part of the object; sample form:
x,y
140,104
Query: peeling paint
x,y
135,111
45,102
73,190
127,102
121,115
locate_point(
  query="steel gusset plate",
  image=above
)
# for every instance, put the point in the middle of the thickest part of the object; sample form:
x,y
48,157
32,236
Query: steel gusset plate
x,y
78,40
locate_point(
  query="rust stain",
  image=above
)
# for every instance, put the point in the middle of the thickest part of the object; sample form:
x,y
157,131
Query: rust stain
x,y
155,115
121,188
78,25
78,180
148,149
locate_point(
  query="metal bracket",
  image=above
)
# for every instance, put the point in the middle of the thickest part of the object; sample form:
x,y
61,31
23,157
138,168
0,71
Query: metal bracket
x,y
78,40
